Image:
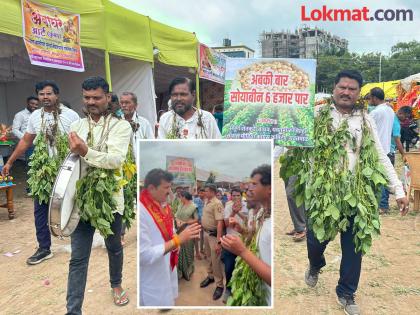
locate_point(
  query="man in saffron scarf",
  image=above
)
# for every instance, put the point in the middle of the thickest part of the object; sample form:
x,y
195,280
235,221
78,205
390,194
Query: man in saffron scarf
x,y
159,245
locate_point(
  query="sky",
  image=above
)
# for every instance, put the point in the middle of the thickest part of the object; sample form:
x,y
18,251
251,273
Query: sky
x,y
233,158
243,20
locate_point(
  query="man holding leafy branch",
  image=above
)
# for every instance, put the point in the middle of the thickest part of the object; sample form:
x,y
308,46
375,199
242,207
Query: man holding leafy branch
x,y
251,279
101,139
340,181
47,131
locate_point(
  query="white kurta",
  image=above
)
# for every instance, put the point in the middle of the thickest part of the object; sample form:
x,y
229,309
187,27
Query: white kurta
x,y
189,129
158,283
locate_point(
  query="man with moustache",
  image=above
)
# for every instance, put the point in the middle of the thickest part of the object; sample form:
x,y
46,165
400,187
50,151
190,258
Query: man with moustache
x,y
52,119
101,140
159,245
184,121
259,192
213,224
345,95
20,124
141,126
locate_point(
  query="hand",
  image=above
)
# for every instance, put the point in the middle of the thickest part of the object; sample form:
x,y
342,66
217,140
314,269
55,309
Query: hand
x,y
218,249
403,205
191,232
6,169
404,158
179,222
232,222
236,207
233,244
77,145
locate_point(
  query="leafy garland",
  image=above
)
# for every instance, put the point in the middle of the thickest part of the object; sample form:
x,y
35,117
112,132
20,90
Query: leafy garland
x,y
247,287
44,168
175,132
331,192
94,198
94,193
130,190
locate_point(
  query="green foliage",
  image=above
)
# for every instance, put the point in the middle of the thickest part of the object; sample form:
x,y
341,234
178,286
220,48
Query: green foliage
x,y
402,62
331,193
94,198
130,189
211,179
44,168
247,288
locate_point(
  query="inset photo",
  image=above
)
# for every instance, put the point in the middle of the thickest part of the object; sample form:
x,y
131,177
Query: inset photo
x,y
205,228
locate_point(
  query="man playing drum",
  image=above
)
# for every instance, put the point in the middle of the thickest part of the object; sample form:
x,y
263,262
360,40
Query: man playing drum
x,y
100,127
46,125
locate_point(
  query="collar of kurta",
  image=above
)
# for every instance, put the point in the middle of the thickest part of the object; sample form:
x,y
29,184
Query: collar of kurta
x,y
192,118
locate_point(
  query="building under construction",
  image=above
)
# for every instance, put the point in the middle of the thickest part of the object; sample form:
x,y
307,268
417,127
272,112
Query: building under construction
x,y
304,42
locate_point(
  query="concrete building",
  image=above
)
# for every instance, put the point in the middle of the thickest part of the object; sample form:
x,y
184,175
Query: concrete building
x,y
304,42
239,51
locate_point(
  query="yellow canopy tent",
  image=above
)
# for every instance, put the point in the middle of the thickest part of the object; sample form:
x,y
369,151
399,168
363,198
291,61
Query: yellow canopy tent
x,y
116,30
389,87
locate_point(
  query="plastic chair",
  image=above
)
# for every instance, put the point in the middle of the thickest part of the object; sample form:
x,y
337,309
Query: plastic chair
x,y
413,160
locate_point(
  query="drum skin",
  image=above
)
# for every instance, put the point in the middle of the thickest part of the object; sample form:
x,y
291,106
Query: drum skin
x,y
63,215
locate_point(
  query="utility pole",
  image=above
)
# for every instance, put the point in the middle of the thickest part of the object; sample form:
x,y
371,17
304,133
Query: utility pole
x,y
380,66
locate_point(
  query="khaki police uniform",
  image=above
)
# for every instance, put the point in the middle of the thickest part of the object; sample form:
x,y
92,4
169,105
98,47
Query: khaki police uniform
x,y
212,212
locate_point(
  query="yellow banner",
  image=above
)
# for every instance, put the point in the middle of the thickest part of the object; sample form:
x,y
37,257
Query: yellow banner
x,y
52,36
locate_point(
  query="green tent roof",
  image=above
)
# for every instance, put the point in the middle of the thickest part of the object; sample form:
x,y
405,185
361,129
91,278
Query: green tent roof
x,y
107,26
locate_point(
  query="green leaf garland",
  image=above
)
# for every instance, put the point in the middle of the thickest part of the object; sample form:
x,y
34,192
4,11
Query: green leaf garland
x,y
331,193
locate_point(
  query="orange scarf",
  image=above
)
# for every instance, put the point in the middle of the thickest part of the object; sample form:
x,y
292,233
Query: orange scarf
x,y
163,219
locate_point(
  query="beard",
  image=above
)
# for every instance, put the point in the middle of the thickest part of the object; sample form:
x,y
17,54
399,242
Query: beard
x,y
181,110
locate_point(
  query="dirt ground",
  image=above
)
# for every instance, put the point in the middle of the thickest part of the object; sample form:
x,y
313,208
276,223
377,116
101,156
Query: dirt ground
x,y
390,282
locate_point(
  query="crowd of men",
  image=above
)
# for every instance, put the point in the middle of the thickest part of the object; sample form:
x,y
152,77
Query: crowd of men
x,y
215,232
98,148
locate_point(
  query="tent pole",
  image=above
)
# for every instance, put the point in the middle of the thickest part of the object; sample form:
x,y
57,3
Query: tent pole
x,y
197,89
108,70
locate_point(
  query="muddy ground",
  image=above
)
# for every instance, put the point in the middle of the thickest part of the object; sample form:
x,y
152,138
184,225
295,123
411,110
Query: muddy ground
x,y
390,281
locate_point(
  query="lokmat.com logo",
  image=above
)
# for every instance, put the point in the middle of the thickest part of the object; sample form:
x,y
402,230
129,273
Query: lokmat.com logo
x,y
355,15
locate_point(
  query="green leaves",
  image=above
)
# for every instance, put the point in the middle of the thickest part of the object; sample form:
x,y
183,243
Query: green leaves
x,y
331,193
43,168
94,198
130,190
247,287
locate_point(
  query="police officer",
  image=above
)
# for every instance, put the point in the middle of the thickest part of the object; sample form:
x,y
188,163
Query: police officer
x,y
212,224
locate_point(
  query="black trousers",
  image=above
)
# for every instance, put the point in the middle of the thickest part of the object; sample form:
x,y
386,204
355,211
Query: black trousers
x,y
81,245
351,262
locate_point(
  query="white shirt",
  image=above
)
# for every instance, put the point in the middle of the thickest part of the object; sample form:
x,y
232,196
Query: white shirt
x,y
145,130
158,283
66,117
20,123
355,122
115,149
188,129
228,211
383,115
264,248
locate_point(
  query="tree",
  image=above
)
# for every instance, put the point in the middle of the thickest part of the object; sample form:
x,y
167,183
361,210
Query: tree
x,y
403,61
212,178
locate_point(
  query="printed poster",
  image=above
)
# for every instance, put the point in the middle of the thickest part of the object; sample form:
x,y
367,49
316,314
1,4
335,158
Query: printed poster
x,y
270,99
52,37
212,65
182,169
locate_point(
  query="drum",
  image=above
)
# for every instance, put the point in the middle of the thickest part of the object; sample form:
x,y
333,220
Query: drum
x,y
63,215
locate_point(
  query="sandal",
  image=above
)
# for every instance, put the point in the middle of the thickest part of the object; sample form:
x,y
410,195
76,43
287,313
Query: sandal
x,y
120,299
298,237
291,233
